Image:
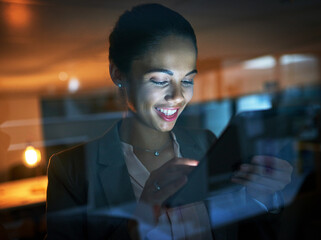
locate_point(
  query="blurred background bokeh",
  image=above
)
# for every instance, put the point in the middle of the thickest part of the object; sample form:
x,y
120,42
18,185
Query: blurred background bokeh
x,y
56,92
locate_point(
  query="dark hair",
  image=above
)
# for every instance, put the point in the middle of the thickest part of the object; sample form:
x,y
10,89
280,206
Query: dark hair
x,y
137,30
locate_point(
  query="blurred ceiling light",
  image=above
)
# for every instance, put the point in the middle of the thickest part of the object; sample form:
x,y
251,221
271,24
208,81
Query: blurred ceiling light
x,y
63,76
295,58
73,85
32,157
17,15
264,62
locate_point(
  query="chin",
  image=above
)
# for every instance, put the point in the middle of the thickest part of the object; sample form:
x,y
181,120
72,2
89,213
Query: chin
x,y
166,127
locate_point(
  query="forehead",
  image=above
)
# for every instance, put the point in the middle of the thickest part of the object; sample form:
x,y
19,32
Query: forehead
x,y
174,53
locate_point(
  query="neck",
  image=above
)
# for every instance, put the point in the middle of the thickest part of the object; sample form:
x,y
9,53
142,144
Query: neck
x,y
136,133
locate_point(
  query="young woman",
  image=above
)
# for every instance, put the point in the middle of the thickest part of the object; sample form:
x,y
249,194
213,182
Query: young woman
x,y
142,159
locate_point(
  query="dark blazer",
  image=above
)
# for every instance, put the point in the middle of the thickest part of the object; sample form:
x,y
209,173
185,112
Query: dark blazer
x,y
88,179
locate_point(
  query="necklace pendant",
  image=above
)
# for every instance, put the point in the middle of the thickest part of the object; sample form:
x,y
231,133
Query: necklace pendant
x,y
156,153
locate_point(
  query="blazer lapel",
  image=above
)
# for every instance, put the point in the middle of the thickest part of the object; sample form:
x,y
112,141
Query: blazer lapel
x,y
112,169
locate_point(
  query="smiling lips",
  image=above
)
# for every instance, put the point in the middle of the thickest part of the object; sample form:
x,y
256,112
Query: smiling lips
x,y
167,114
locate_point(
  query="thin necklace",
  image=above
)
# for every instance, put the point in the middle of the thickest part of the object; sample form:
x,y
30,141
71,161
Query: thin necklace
x,y
156,152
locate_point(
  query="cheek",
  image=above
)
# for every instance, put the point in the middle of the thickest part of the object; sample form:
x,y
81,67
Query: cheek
x,y
147,97
135,97
132,94
188,94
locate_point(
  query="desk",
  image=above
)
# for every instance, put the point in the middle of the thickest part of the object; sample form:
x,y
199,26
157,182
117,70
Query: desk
x,y
22,193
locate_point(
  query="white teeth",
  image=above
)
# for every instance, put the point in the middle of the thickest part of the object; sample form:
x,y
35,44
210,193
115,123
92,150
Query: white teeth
x,y
166,111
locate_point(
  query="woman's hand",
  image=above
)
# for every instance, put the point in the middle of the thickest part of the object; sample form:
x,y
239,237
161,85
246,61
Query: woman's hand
x,y
161,184
166,180
264,176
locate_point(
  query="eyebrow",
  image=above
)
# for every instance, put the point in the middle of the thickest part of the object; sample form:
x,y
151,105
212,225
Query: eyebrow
x,y
168,71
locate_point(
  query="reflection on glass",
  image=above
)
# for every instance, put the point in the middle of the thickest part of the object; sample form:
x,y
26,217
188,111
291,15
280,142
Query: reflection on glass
x,y
253,102
56,93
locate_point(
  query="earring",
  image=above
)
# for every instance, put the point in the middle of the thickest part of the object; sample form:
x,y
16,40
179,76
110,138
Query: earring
x,y
119,85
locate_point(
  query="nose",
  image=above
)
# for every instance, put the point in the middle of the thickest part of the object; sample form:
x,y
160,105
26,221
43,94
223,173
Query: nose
x,y
174,95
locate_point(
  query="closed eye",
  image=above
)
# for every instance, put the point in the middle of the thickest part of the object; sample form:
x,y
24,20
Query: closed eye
x,y
188,82
158,83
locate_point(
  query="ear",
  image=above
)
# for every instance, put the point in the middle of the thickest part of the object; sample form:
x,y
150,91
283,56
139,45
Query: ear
x,y
115,74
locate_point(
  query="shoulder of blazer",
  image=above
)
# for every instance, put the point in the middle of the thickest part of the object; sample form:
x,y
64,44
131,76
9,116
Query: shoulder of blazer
x,y
70,167
75,159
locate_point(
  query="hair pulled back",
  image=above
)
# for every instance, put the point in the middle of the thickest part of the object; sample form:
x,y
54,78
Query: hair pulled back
x,y
141,28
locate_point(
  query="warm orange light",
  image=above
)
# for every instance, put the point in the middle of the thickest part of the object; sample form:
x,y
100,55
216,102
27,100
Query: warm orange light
x,y
32,157
17,15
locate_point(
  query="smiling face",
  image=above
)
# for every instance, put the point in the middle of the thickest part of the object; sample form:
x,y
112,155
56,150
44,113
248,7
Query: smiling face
x,y
161,82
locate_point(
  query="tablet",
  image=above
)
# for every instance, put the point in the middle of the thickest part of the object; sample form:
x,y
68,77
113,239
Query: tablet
x,y
267,132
